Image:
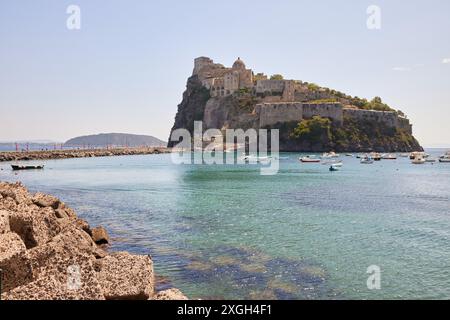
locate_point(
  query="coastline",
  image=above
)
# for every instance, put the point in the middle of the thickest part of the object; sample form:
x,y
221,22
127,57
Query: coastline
x,y
75,153
48,253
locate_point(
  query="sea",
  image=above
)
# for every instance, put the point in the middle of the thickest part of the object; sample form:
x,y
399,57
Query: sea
x,y
367,231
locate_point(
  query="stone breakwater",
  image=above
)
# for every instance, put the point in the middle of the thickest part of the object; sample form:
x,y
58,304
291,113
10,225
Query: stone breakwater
x,y
47,253
85,153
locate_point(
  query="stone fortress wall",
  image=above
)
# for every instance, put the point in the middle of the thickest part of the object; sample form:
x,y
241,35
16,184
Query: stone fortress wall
x,y
280,97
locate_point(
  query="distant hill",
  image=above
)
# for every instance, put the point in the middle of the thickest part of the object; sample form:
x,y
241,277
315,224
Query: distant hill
x,y
115,139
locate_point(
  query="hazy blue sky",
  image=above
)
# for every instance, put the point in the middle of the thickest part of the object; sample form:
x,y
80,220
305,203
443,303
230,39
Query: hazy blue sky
x,y
126,69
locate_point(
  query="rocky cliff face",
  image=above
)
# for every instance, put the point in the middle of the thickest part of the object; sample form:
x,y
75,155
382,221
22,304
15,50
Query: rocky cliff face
x,y
48,253
192,108
238,111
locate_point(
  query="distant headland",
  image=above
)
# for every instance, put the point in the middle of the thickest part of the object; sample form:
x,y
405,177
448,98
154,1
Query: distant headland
x,y
310,117
115,139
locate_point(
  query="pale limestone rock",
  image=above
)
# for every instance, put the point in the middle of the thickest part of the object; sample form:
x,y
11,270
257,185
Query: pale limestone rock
x,y
170,294
100,236
45,200
10,245
125,276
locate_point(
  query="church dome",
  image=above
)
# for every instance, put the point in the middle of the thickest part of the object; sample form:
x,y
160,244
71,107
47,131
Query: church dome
x,y
239,64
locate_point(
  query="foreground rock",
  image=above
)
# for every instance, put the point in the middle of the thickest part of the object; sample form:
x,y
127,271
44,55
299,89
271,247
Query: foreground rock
x,y
47,253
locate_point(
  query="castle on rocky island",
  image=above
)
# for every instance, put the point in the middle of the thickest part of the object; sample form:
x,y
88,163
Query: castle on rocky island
x,y
280,100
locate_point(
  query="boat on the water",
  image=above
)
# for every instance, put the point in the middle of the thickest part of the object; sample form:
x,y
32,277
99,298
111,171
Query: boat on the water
x,y
328,155
445,158
334,168
375,156
419,159
415,154
390,156
17,167
309,159
366,160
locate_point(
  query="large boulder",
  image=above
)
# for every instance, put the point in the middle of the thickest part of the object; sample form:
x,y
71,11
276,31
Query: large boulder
x,y
10,244
44,200
34,226
124,276
100,236
53,264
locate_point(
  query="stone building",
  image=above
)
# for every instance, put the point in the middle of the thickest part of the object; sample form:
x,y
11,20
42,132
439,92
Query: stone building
x,y
220,80
284,100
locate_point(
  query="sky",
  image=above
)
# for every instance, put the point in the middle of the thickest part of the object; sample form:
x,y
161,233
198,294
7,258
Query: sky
x,y
125,69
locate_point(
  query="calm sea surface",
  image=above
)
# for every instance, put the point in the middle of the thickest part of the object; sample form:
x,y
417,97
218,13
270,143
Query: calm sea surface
x,y
305,233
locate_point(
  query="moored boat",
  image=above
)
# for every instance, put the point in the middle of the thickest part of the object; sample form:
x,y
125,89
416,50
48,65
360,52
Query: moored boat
x,y
309,159
331,154
16,167
419,159
366,160
390,156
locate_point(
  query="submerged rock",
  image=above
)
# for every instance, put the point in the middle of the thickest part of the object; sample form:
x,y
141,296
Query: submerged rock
x,y
170,294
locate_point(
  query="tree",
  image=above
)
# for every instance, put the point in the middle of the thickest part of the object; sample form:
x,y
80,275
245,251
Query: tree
x,y
276,77
313,129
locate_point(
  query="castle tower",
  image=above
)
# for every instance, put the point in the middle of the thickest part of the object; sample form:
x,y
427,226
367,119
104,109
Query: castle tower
x,y
201,62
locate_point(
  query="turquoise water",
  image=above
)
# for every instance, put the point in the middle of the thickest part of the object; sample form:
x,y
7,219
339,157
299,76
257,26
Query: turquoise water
x,y
305,233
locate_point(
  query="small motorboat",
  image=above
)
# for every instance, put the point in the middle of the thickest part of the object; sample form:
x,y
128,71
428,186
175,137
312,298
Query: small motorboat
x,y
375,156
309,159
366,160
389,157
328,155
349,155
334,168
404,155
419,159
415,154
16,167
431,160
445,159
336,163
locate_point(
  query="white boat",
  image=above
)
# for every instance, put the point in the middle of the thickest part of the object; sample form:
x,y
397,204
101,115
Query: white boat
x,y
330,155
250,158
415,154
445,158
431,160
390,156
349,155
333,163
309,159
419,159
404,155
366,160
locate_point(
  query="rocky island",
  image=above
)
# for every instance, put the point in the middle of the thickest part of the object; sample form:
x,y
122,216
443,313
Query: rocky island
x,y
48,253
309,117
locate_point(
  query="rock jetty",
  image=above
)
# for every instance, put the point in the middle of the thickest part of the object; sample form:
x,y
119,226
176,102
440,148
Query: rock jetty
x,y
47,253
77,153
